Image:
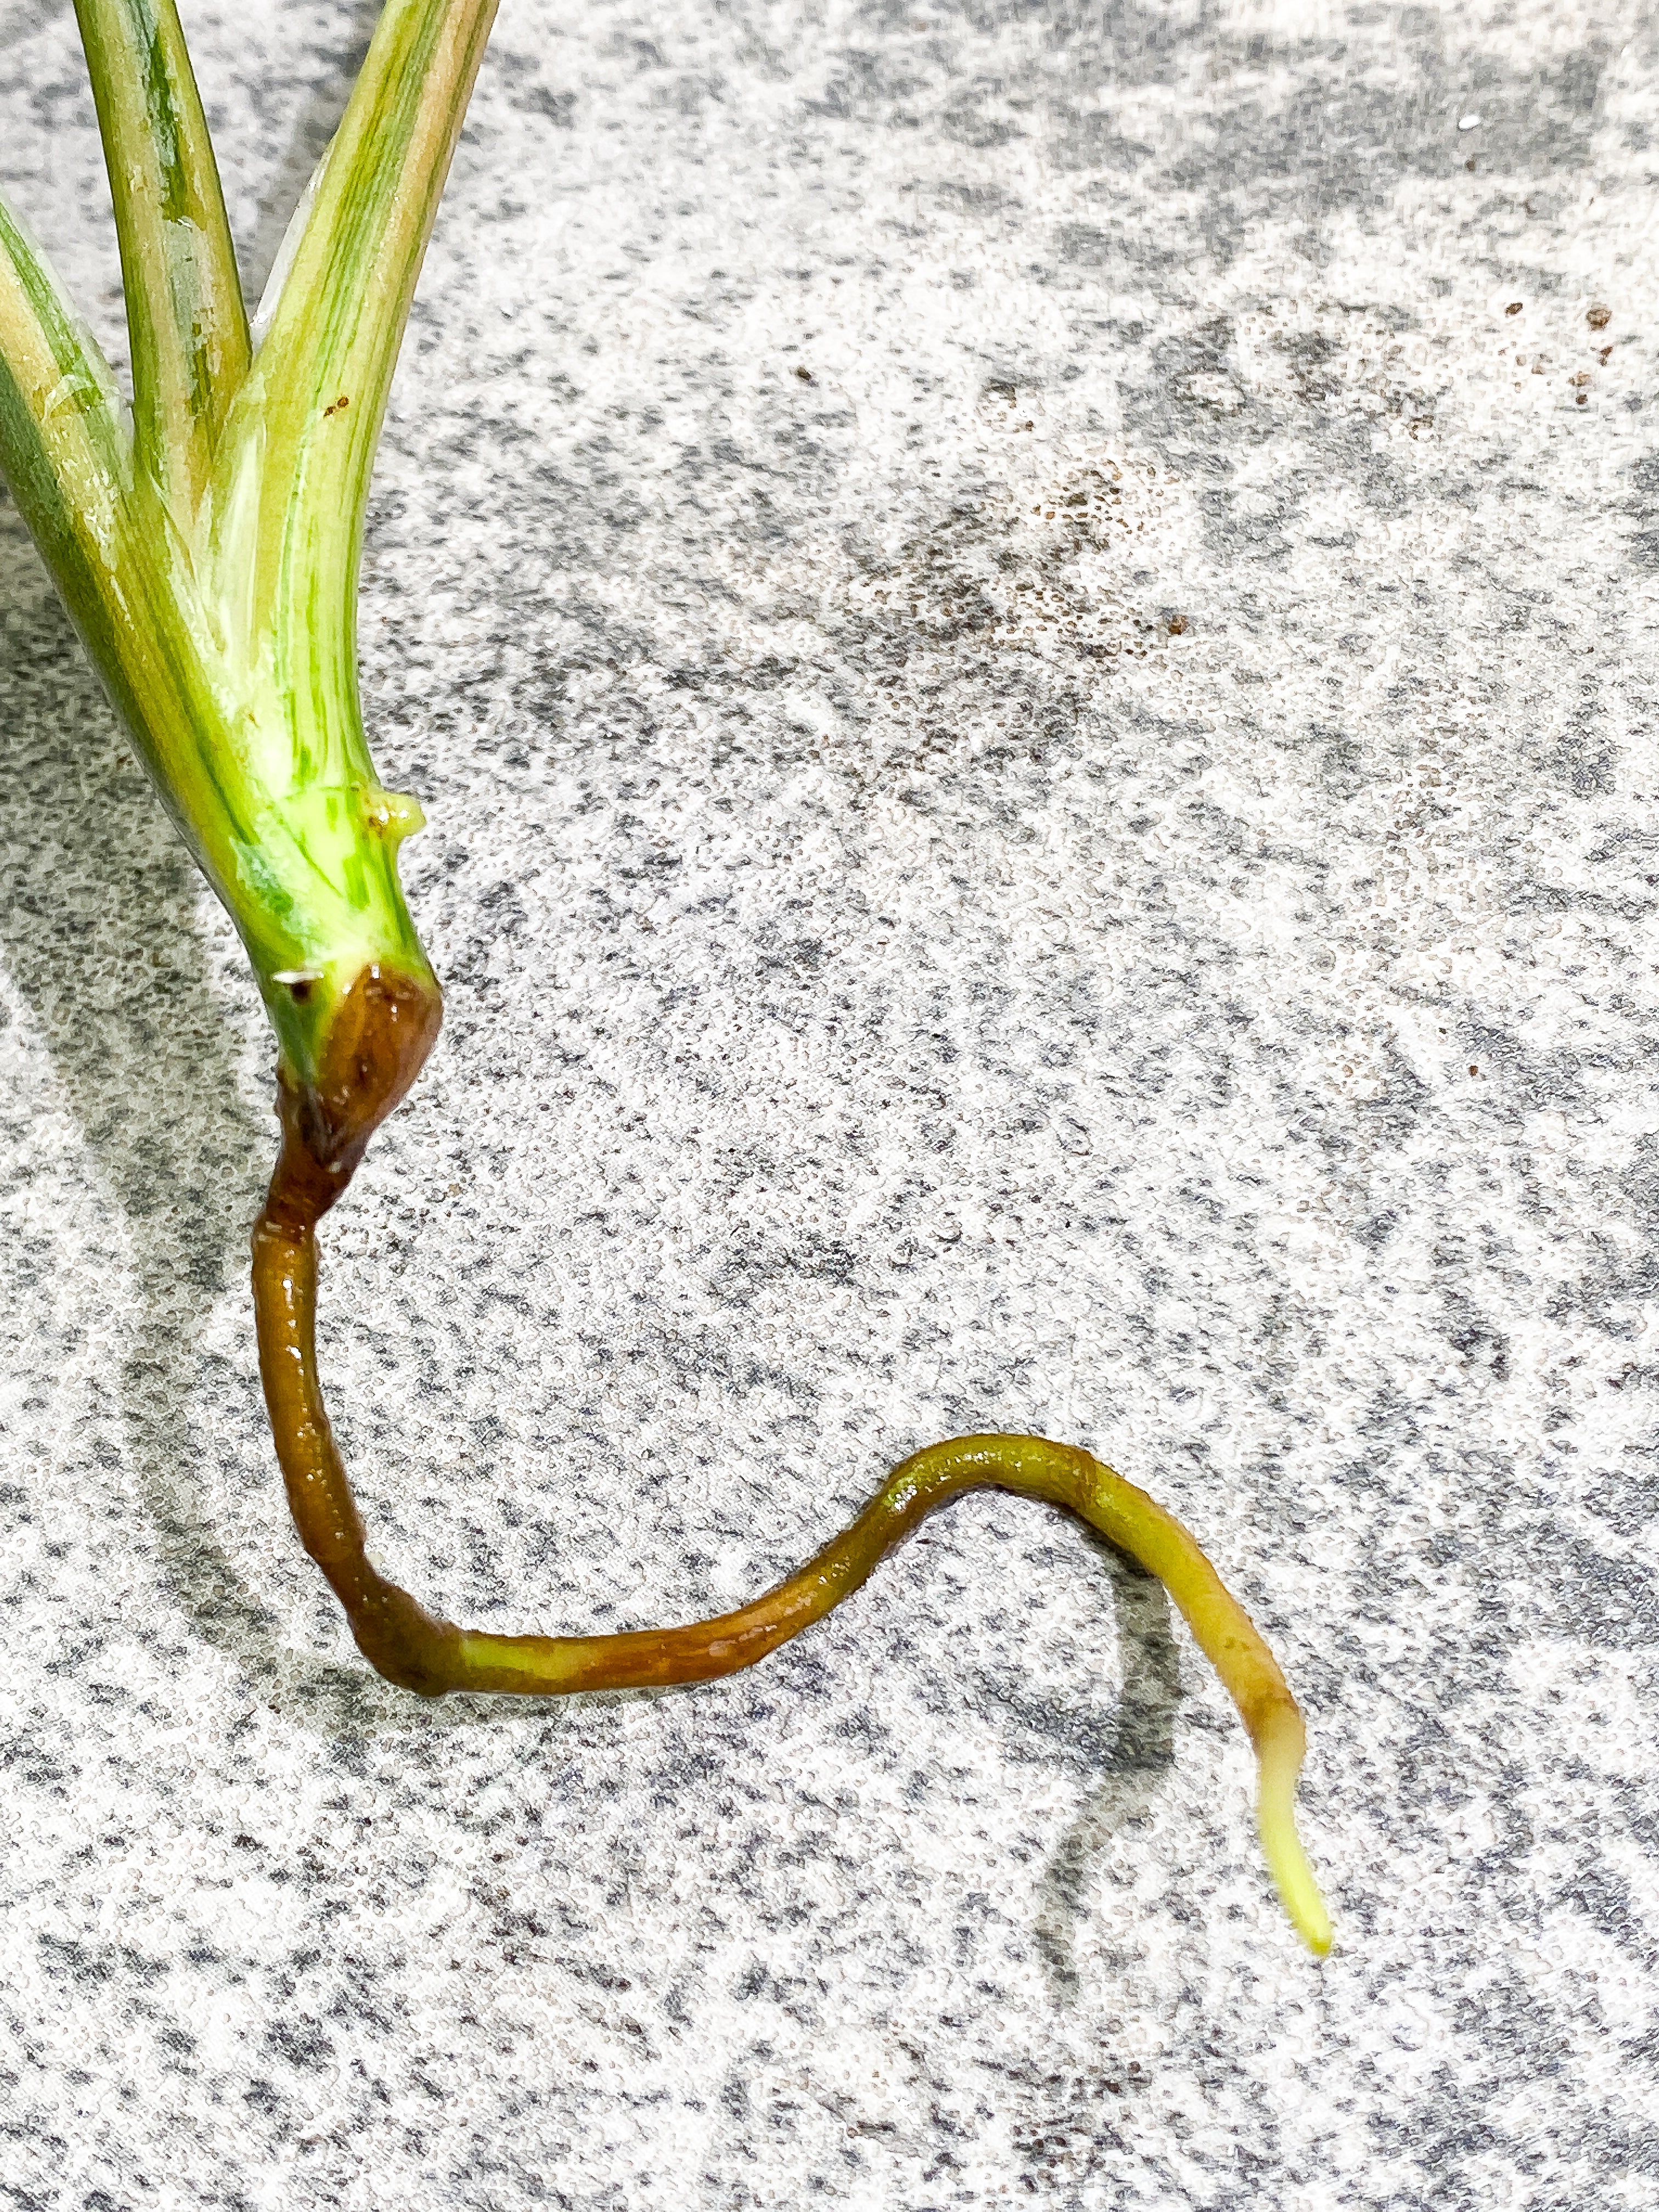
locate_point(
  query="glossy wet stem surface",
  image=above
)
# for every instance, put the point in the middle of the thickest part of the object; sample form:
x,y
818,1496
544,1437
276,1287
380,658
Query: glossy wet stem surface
x,y
384,1027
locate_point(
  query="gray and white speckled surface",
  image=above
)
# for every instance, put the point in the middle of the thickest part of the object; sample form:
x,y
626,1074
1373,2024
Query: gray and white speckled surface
x,y
898,981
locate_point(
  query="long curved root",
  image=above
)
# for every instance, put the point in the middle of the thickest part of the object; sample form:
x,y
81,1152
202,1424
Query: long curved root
x,y
412,1647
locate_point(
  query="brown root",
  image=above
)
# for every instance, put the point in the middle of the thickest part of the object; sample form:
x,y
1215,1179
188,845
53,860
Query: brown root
x,y
384,1036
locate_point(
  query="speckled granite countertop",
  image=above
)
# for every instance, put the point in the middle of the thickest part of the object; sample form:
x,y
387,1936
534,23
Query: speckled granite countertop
x,y
1028,631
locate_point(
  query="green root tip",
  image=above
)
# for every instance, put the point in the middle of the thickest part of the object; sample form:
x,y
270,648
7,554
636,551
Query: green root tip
x,y
1287,1861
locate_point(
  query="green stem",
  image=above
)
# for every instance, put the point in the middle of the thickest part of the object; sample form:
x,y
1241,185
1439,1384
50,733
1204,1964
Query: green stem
x,y
186,319
65,443
292,477
210,561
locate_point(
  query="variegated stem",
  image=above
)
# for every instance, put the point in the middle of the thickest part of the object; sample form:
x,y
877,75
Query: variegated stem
x,y
185,320
284,527
294,467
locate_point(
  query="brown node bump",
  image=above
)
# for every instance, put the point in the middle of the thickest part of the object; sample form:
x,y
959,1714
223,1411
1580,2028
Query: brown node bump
x,y
383,1027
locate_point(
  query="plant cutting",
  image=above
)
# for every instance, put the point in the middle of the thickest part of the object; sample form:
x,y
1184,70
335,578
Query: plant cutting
x,y
205,539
